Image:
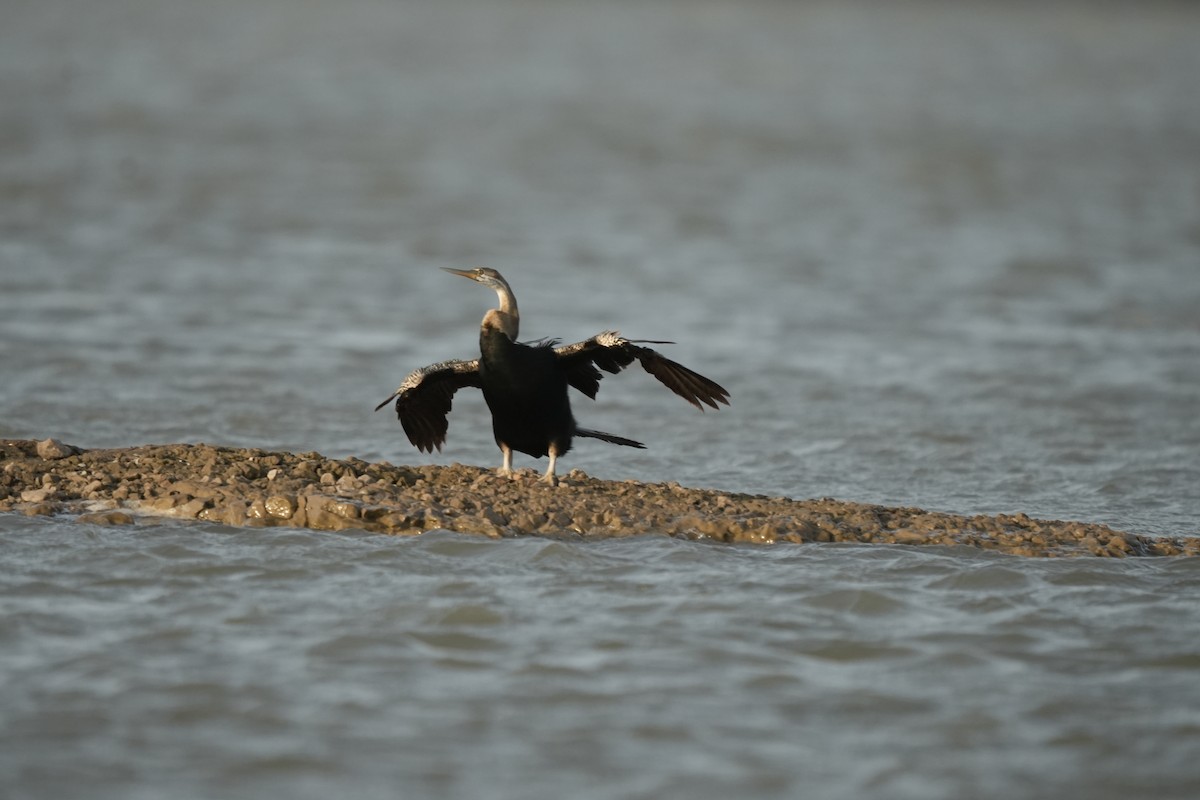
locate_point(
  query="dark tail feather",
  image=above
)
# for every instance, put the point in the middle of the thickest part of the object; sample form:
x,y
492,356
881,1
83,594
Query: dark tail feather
x,y
608,437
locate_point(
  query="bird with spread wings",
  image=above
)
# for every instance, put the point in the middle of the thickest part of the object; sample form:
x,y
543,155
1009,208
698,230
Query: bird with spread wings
x,y
525,384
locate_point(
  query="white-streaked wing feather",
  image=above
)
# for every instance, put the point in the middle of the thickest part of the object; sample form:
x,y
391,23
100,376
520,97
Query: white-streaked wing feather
x,y
424,397
611,352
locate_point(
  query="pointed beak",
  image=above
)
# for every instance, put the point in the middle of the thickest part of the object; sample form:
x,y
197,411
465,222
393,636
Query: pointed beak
x,y
466,273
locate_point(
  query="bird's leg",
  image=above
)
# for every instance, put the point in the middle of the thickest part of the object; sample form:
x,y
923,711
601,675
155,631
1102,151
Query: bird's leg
x,y
506,465
549,477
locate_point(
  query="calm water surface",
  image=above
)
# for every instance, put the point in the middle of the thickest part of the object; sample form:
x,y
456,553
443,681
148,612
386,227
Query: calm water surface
x,y
212,663
944,255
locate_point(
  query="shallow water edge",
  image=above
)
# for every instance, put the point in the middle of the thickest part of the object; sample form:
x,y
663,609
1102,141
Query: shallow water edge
x,y
246,487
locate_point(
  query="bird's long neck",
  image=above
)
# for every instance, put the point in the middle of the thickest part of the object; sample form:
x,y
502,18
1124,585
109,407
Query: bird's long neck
x,y
506,318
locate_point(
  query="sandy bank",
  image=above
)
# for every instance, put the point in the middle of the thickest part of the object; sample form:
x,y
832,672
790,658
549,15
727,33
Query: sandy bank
x,y
258,488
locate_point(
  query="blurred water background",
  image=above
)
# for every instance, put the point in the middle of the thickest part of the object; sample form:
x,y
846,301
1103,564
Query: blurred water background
x,y
942,254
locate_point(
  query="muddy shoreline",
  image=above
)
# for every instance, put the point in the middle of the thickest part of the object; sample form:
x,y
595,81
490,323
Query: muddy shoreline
x,y
247,487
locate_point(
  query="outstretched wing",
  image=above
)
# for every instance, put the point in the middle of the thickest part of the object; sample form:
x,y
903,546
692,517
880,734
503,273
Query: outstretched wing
x,y
423,400
611,352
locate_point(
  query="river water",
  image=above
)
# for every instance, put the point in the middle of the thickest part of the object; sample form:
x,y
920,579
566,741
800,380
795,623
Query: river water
x,y
942,255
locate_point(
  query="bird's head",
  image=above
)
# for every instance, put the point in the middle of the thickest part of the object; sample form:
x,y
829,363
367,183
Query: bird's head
x,y
485,275
506,318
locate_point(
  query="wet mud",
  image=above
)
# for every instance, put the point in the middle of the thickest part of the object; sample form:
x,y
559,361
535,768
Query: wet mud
x,y
258,488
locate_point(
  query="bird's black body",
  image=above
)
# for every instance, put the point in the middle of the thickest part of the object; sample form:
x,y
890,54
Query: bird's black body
x,y
525,385
526,391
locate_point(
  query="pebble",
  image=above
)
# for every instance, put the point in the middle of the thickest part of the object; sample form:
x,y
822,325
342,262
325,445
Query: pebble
x,y
192,507
50,449
280,507
111,517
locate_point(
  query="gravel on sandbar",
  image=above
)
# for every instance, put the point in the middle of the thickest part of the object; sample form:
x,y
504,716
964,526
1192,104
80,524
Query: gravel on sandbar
x,y
248,487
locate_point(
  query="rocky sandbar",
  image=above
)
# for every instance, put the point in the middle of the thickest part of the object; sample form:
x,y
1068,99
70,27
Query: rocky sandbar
x,y
247,487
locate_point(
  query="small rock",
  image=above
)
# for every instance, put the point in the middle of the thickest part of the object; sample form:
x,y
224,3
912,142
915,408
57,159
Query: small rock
x,y
257,510
326,513
1118,546
327,478
192,508
35,495
374,513
51,449
280,506
111,517
165,503
345,510
38,510
272,474
211,514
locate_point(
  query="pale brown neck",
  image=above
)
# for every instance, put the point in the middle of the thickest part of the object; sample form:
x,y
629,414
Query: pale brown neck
x,y
508,303
503,321
506,318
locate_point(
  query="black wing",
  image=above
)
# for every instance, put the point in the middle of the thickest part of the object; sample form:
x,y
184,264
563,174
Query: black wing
x,y
423,400
611,352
